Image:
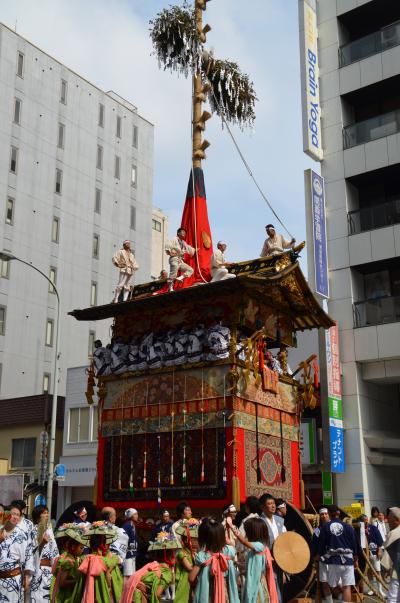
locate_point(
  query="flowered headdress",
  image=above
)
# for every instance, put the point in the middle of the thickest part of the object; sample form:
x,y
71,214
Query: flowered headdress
x,y
70,530
189,527
101,528
164,540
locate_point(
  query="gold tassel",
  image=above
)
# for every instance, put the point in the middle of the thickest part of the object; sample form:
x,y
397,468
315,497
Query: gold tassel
x,y
236,491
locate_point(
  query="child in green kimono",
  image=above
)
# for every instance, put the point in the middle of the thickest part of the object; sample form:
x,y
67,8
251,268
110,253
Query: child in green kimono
x,y
213,576
103,581
65,581
148,584
188,533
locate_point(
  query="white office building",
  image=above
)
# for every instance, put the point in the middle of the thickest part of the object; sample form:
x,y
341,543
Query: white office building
x,y
359,62
159,238
76,174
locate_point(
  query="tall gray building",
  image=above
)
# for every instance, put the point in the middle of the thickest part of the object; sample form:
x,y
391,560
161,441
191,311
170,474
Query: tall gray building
x,y
359,62
76,173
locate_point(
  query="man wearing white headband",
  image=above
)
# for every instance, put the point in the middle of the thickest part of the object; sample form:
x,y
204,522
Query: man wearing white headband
x,y
81,517
230,534
125,261
275,243
281,509
219,270
132,517
176,249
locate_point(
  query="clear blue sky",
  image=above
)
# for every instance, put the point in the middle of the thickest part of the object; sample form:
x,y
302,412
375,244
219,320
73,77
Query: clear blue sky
x,y
107,42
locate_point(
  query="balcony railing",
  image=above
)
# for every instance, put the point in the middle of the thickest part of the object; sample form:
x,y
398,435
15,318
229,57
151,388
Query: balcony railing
x,y
371,129
378,311
378,41
376,216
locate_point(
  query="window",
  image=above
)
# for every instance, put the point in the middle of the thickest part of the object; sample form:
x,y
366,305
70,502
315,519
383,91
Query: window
x,y
63,92
133,217
46,383
55,230
17,110
14,160
92,339
20,64
119,125
49,332
53,278
99,159
61,136
135,133
4,269
133,175
97,201
93,294
58,181
79,425
10,211
2,320
156,225
101,115
117,167
96,245
23,453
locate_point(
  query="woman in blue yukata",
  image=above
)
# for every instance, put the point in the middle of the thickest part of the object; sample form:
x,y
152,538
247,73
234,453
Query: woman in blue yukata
x,y
45,552
15,550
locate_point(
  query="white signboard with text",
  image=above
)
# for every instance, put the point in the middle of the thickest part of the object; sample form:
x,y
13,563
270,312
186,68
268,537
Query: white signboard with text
x,y
312,144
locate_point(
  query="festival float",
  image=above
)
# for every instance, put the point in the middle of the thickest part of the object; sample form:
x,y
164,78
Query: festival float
x,y
196,400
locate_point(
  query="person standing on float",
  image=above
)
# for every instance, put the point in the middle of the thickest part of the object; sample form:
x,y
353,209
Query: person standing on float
x,y
125,261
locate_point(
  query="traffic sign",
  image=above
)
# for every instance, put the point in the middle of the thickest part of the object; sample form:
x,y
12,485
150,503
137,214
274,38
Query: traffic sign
x,y
40,499
59,473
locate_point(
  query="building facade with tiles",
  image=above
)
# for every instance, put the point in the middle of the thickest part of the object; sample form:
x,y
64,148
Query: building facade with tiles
x,y
359,62
76,176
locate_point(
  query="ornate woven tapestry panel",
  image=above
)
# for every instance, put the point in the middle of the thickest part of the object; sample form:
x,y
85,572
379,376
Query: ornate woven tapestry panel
x,y
124,460
270,457
165,388
285,399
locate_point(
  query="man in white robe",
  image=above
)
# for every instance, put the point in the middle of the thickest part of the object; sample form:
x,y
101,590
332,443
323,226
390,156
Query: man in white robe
x,y
275,243
176,249
125,261
219,270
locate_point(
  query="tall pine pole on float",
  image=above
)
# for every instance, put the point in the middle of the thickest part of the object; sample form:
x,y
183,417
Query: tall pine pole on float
x,y
178,38
199,94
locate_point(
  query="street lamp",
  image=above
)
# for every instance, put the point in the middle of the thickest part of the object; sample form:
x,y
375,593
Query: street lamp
x,y
6,256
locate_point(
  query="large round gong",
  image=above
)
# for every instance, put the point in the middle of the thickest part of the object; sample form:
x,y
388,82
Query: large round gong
x,y
291,553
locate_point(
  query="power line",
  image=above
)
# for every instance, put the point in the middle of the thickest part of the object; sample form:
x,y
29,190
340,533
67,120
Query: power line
x,y
248,168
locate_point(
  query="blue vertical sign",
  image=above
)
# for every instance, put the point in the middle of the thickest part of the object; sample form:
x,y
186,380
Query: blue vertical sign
x,y
336,435
319,234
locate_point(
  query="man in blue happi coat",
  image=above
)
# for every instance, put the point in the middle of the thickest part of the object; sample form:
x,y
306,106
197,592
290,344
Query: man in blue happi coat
x,y
337,547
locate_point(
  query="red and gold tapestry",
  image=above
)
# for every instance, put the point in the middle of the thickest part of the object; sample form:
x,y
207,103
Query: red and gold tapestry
x,y
270,457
